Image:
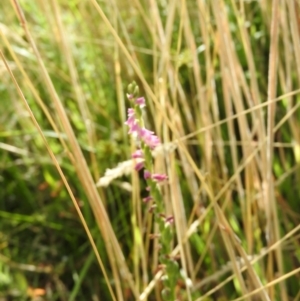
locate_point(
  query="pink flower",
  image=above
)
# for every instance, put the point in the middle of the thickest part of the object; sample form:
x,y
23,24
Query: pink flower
x,y
131,117
141,102
139,166
147,174
149,138
159,177
147,199
134,129
132,122
170,219
137,154
129,96
130,112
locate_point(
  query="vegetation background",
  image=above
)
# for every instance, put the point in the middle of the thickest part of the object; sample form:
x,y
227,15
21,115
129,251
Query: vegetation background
x,y
221,79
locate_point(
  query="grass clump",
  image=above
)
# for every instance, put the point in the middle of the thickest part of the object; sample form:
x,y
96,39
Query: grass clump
x,y
221,83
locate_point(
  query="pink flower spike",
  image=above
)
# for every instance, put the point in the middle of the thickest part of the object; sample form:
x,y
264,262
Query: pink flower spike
x,y
141,102
137,154
159,177
147,199
139,166
147,174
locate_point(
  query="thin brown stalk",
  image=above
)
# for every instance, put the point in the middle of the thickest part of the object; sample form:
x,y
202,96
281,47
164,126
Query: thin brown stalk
x,y
271,206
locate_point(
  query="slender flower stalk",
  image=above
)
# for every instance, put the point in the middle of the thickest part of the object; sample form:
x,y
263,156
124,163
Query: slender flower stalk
x,y
147,141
